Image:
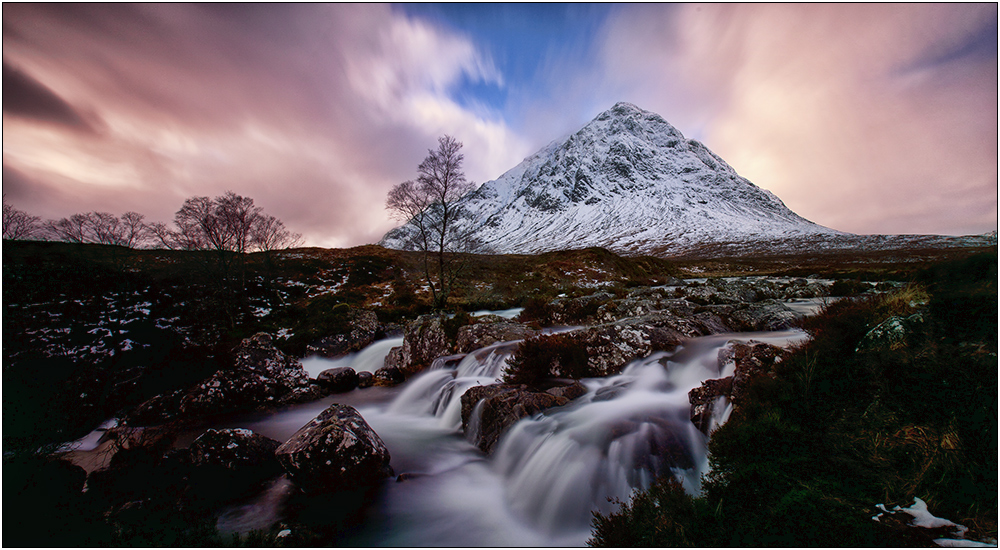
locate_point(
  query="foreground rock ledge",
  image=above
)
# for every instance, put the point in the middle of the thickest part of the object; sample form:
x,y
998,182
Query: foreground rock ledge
x,y
336,451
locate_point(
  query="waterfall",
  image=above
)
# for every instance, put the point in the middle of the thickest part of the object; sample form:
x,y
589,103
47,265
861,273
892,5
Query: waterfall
x,y
548,472
438,391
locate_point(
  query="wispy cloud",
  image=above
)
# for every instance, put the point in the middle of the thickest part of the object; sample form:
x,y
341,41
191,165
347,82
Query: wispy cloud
x,y
866,118
314,111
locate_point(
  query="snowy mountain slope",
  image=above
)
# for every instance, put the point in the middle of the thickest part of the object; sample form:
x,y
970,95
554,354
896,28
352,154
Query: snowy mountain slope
x,y
630,182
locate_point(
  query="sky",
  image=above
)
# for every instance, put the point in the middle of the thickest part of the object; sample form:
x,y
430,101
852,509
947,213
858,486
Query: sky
x,y
866,118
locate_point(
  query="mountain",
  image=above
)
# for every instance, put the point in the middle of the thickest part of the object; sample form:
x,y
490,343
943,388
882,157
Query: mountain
x,y
630,182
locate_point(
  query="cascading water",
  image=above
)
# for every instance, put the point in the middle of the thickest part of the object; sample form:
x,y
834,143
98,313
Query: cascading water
x,y
548,472
369,359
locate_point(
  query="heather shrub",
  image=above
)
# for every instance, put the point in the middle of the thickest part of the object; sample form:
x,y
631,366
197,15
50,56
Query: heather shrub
x,y
840,428
544,357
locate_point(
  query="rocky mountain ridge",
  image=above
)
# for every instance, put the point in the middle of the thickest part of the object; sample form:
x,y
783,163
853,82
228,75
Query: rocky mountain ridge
x,y
632,183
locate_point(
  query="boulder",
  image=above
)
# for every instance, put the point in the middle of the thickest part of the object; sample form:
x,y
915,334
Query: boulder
x,y
338,379
388,376
364,329
424,340
236,449
231,463
489,330
568,392
764,315
336,451
611,347
260,377
890,334
502,405
303,394
365,379
703,399
751,360
394,359
571,311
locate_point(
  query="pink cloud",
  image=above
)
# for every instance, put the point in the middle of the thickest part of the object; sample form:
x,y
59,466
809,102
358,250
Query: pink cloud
x,y
314,111
859,117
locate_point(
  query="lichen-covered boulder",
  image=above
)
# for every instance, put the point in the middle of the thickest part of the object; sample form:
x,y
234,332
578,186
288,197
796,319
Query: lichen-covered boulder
x,y
336,451
261,375
890,334
230,463
500,406
236,449
764,315
364,329
338,379
424,340
488,330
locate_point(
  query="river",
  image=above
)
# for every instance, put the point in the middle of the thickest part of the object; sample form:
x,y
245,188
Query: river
x,y
548,472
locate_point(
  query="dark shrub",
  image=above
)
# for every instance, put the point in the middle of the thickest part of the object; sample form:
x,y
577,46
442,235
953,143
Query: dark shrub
x,y
543,357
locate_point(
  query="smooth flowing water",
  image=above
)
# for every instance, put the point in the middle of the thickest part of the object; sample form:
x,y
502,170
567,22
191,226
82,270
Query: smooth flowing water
x,y
548,472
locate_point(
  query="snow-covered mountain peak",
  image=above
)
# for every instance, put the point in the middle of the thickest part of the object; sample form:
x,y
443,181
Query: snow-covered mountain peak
x,y
627,181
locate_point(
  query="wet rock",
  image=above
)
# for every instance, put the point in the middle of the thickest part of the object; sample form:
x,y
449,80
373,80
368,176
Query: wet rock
x,y
765,315
388,376
365,379
407,476
447,361
338,379
568,392
502,405
364,329
607,393
231,463
752,359
303,394
261,377
424,340
336,451
703,400
394,359
489,330
236,449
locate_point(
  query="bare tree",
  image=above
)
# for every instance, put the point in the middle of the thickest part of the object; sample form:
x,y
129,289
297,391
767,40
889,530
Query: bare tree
x,y
237,216
74,229
268,233
200,226
134,231
432,206
163,235
18,224
104,228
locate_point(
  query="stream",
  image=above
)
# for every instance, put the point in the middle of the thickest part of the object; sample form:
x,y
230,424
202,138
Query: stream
x,y
546,475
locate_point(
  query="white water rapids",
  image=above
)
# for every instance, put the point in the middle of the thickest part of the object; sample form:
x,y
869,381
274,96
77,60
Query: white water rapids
x,y
548,472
